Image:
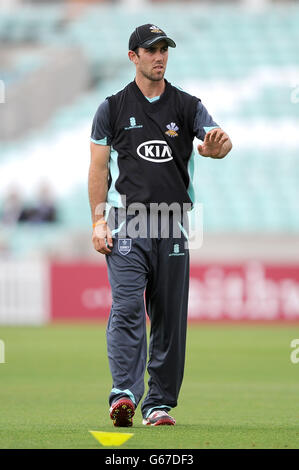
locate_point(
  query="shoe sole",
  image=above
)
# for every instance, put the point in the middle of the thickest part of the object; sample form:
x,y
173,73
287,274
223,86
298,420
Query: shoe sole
x,y
122,413
160,422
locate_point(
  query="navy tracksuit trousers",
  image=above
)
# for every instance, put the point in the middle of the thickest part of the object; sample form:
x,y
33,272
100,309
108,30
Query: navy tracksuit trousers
x,y
151,272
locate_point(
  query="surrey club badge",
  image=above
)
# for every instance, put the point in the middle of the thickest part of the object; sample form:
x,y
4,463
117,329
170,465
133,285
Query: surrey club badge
x,y
172,130
124,245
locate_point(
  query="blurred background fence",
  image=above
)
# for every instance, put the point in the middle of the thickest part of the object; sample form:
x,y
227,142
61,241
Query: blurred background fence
x,y
58,61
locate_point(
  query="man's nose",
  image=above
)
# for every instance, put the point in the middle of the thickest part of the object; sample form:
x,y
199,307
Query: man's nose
x,y
159,55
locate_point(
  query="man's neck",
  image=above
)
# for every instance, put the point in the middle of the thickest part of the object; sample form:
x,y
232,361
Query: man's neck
x,y
150,88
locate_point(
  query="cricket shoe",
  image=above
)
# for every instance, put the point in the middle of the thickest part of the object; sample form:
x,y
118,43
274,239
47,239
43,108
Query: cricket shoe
x,y
122,412
159,418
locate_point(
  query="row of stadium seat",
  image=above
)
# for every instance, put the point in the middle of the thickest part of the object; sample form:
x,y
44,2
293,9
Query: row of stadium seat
x,y
256,188
236,41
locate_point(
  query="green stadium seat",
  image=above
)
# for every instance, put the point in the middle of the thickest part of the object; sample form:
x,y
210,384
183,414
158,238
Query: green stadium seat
x,y
251,190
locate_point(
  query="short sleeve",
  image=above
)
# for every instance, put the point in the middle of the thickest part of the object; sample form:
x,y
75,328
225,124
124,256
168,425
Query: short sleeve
x,y
101,132
203,122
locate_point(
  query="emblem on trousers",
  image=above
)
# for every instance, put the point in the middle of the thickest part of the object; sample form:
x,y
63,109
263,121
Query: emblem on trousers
x,y
124,245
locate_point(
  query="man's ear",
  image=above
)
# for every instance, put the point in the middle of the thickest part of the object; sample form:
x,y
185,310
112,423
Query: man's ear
x,y
133,57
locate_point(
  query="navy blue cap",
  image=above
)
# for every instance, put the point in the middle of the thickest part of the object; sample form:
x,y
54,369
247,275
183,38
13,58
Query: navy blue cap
x,y
147,35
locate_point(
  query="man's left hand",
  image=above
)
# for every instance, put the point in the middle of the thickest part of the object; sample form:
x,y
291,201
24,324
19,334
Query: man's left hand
x,y
217,144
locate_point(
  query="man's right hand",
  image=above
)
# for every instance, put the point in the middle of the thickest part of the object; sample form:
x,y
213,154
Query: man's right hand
x,y
102,238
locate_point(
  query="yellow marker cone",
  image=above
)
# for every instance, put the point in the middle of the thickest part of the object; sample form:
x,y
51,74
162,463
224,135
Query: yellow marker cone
x,y
111,438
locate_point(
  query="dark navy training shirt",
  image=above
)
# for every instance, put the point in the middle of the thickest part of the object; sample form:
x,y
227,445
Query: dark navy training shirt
x,y
151,144
101,132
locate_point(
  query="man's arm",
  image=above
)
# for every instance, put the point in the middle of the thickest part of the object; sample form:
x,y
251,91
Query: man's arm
x,y
97,190
216,144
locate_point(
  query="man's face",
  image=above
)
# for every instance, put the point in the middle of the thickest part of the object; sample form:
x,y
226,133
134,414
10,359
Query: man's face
x,y
151,63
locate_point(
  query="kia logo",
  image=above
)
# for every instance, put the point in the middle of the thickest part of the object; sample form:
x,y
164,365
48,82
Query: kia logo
x,y
155,151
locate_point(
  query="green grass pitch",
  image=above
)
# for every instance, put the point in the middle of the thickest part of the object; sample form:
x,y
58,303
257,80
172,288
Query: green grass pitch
x,y
240,389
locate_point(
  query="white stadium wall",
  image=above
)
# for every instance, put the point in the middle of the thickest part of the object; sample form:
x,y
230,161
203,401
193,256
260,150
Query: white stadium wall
x,y
24,292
